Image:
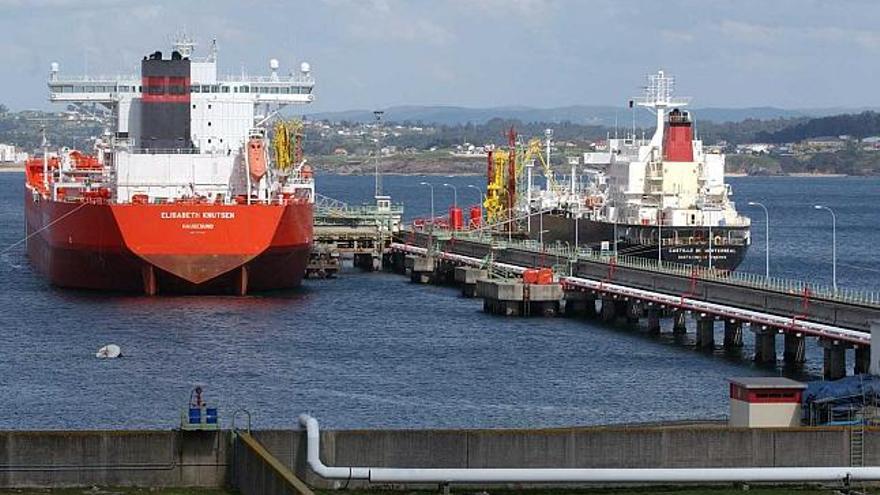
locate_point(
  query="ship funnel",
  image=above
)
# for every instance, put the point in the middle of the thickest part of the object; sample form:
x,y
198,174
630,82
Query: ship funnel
x,y
678,139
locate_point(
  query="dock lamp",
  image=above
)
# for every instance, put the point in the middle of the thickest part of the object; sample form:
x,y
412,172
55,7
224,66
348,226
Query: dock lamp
x,y
454,194
766,237
432,199
833,244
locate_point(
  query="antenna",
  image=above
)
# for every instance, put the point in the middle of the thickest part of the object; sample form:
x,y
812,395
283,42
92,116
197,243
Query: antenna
x,y
184,45
615,124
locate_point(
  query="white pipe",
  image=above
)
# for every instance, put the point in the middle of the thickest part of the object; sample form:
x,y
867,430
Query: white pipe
x,y
573,475
313,455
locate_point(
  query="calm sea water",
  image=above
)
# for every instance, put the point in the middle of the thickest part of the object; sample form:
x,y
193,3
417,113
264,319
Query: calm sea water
x,y
372,350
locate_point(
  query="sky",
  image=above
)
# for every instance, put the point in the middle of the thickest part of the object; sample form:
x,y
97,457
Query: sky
x,y
368,54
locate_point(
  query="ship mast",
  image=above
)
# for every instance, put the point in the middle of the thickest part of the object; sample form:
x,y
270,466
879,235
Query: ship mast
x,y
658,99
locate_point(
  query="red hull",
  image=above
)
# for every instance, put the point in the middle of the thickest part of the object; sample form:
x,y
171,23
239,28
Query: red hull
x,y
162,248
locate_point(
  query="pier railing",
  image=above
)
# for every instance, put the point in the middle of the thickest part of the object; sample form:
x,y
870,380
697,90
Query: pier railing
x,y
776,284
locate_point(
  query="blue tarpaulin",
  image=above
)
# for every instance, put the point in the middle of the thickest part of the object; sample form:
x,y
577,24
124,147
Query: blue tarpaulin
x,y
849,390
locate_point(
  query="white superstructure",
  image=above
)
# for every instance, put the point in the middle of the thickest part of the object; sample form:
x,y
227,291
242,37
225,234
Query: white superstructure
x,y
668,179
225,113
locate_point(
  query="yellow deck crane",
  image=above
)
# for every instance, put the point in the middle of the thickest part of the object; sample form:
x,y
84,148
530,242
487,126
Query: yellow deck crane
x,y
287,144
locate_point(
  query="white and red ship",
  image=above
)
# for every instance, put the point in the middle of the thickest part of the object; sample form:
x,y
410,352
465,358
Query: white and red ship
x,y
186,192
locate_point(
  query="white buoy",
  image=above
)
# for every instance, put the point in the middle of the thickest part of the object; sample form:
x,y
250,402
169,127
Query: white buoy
x,y
109,351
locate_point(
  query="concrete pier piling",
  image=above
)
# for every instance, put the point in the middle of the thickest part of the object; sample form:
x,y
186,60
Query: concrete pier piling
x,y
862,360
705,332
733,336
621,313
834,366
368,262
765,345
634,311
420,268
608,309
511,297
653,319
580,304
678,322
467,277
794,349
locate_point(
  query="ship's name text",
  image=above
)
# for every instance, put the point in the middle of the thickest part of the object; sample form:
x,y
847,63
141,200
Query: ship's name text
x,y
197,215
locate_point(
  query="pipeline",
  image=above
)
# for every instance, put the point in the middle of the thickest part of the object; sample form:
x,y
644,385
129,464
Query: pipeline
x,y
574,475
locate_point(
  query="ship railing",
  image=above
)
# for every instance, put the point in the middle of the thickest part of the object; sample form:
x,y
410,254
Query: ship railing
x,y
799,288
165,151
117,78
279,80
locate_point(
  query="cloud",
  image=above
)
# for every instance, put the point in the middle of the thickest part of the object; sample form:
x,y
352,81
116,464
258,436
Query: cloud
x,y
677,36
764,34
388,20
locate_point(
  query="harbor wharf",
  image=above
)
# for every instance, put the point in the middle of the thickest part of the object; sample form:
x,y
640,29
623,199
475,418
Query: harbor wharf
x,y
625,291
362,234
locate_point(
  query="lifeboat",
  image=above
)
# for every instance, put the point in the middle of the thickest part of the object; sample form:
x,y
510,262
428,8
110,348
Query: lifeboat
x,y
256,151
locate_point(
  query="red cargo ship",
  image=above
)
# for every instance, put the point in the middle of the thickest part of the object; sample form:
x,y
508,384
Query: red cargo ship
x,y
184,195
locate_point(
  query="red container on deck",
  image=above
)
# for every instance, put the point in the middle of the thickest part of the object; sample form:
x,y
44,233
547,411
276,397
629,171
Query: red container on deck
x,y
538,276
476,217
456,218
545,276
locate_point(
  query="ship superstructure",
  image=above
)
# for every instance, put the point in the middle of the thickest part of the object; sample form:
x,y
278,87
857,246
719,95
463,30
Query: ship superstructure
x,y
663,198
196,186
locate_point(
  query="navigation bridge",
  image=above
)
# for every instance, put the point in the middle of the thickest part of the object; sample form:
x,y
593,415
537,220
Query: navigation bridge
x,y
627,289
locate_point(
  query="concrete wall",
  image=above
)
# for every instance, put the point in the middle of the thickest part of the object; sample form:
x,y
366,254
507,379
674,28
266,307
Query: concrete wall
x,y
674,447
159,458
112,458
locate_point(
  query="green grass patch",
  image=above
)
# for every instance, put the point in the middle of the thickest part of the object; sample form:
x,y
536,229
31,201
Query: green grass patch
x,y
114,491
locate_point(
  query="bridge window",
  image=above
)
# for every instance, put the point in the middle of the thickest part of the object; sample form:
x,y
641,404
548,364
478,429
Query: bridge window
x,y
225,89
245,89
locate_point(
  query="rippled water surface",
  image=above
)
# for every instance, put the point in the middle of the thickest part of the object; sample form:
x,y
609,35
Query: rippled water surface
x,y
372,350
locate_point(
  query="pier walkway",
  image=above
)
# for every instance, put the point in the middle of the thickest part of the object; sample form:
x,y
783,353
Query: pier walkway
x,y
637,287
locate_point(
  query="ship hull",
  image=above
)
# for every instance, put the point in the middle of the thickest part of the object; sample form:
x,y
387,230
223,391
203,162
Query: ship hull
x,y
687,245
171,248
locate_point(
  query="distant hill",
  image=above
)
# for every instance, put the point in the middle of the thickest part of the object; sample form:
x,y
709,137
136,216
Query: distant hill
x,y
857,125
579,114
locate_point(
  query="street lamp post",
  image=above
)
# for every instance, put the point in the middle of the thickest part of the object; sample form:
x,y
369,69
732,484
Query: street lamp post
x,y
659,237
454,194
766,237
432,199
833,244
378,114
